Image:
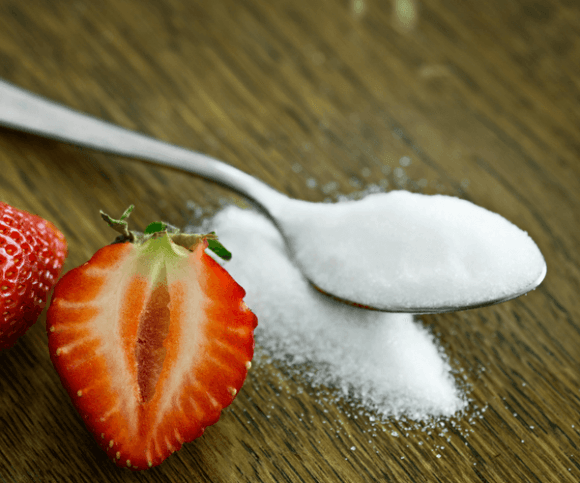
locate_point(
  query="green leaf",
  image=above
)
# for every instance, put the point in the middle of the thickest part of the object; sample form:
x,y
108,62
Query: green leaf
x,y
127,213
216,247
120,225
155,227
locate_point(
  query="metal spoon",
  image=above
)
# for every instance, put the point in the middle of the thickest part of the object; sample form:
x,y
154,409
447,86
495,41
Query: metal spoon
x,y
22,110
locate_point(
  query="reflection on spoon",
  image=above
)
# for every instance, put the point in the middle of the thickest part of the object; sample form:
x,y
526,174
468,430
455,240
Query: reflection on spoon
x,y
393,252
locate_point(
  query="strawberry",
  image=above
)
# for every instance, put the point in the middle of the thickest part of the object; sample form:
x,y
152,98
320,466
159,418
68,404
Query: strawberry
x,y
32,252
151,339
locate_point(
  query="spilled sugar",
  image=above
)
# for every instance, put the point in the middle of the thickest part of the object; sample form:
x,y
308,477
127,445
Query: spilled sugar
x,y
388,362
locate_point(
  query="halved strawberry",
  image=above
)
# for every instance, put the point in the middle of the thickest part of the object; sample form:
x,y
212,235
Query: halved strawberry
x,y
151,339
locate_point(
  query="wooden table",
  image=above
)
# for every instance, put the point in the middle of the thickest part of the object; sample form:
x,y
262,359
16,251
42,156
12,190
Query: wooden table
x,y
483,98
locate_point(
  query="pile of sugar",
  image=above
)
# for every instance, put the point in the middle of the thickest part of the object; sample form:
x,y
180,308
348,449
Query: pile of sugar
x,y
388,362
408,250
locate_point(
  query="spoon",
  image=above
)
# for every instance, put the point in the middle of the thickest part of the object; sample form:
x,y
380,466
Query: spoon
x,y
394,252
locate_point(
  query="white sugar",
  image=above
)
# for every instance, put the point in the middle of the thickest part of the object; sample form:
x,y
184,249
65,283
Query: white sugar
x,y
387,361
402,249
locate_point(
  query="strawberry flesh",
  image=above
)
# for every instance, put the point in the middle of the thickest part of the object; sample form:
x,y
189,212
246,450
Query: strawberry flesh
x,y
152,332
151,341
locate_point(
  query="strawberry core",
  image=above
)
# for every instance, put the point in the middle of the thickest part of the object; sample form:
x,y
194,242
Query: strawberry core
x,y
152,332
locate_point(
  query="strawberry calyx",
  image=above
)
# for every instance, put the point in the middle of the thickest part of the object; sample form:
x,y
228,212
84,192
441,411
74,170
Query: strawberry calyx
x,y
157,229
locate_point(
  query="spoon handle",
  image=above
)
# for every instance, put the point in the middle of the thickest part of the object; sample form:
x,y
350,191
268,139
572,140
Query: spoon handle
x,y
25,111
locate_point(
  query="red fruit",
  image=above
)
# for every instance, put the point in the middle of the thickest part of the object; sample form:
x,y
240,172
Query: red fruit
x,y
151,339
32,252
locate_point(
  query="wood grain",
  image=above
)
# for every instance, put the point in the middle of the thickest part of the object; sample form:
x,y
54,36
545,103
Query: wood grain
x,y
317,98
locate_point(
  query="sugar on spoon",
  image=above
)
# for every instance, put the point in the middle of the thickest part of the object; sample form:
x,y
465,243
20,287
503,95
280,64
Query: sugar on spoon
x,y
394,252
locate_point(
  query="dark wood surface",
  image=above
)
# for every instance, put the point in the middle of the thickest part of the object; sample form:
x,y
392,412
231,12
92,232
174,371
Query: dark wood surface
x,y
483,97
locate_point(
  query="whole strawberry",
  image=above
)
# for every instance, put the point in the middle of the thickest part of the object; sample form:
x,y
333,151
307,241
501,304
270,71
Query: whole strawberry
x,y
151,339
32,252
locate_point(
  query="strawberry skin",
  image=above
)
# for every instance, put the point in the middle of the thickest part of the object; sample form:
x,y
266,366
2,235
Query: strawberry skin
x,y
151,341
32,252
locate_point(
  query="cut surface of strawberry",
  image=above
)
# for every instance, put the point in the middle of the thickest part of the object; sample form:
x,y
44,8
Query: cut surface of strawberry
x,y
32,253
151,340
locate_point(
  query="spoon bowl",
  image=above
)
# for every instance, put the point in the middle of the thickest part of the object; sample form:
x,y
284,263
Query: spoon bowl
x,y
407,252
394,252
